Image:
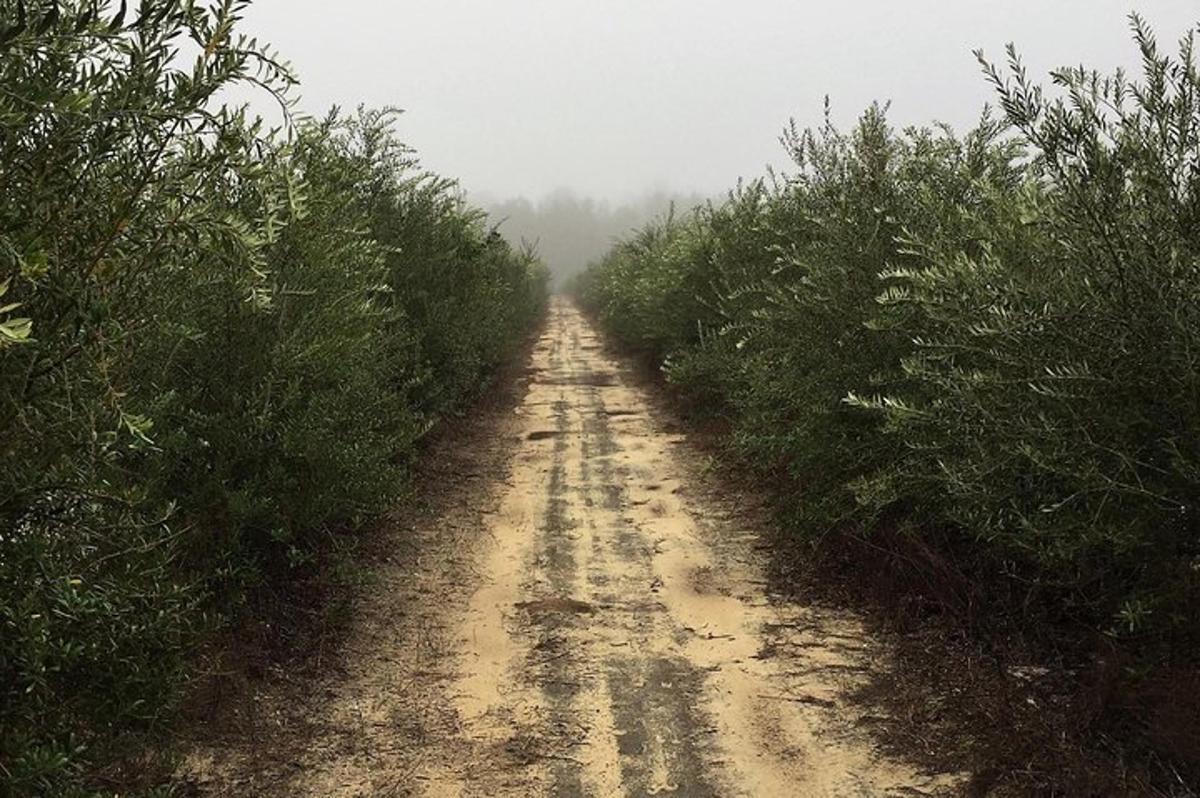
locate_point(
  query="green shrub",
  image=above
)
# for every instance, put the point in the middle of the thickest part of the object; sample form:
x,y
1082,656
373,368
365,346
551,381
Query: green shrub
x,y
110,160
988,336
217,349
1051,402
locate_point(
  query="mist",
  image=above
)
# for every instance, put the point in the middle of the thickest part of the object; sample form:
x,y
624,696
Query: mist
x,y
614,99
879,475
572,121
570,231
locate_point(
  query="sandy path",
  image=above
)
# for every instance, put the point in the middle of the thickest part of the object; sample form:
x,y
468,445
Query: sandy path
x,y
613,637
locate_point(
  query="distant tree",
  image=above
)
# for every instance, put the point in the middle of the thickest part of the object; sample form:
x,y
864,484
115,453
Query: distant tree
x,y
571,231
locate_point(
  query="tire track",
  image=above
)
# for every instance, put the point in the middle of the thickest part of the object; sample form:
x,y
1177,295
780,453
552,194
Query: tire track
x,y
621,643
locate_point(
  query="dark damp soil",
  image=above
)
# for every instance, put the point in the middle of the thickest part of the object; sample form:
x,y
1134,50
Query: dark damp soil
x,y
1020,716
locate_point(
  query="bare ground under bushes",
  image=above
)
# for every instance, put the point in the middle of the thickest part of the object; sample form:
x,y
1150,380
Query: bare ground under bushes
x,y
582,608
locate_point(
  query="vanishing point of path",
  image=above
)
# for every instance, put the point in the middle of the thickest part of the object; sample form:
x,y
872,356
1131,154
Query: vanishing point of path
x,y
596,625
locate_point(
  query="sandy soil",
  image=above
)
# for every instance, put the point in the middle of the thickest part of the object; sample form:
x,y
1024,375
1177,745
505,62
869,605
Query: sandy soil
x,y
588,619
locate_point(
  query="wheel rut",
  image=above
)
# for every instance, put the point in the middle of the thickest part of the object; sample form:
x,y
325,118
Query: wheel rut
x,y
621,642
591,620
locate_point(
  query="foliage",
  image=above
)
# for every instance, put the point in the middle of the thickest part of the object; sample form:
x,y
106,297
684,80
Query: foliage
x,y
218,347
991,334
571,231
1051,399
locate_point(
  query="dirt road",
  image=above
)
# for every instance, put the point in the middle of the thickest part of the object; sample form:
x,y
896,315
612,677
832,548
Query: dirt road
x,y
606,631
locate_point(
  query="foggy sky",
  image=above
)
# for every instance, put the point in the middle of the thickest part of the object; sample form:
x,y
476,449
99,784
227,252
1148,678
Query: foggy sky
x,y
616,98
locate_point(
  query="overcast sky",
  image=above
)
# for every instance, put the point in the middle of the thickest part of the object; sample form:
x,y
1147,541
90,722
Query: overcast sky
x,y
612,98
